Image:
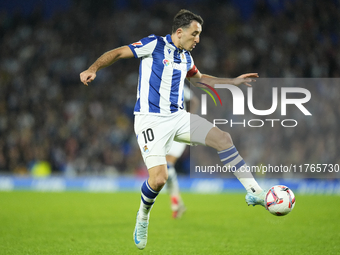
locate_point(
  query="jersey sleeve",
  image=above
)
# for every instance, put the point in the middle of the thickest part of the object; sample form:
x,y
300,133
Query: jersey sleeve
x,y
193,69
143,47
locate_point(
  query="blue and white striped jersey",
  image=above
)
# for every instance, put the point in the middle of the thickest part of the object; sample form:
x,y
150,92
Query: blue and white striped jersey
x,y
162,71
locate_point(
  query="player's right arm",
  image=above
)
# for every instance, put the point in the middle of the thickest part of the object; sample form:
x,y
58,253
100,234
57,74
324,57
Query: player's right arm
x,y
107,59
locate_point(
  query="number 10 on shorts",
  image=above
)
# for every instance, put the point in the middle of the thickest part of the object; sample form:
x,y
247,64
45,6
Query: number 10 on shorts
x,y
148,135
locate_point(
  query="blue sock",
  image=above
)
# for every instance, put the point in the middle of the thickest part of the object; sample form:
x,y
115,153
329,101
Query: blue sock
x,y
148,198
232,159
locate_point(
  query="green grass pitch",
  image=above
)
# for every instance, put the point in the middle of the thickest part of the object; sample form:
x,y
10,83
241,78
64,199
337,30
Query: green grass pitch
x,y
102,223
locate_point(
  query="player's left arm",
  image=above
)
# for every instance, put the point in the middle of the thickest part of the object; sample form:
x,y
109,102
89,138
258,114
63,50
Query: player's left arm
x,y
212,80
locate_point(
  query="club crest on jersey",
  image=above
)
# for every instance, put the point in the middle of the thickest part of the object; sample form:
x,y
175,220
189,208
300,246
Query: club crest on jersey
x,y
145,149
139,43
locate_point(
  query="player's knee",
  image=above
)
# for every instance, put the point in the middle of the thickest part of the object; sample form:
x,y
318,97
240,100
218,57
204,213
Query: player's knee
x,y
160,181
224,141
158,176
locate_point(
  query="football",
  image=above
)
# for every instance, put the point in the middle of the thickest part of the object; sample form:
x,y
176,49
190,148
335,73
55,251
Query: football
x,y
280,200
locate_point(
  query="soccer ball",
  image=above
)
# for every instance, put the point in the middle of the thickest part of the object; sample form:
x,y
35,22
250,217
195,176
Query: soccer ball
x,y
280,200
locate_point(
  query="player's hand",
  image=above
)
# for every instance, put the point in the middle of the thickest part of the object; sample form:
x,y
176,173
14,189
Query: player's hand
x,y
245,79
87,76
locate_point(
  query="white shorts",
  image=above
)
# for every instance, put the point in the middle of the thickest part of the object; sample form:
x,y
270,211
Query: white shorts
x,y
176,149
155,134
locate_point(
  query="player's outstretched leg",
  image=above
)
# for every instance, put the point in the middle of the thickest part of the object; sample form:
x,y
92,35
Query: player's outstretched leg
x,y
177,204
252,199
230,157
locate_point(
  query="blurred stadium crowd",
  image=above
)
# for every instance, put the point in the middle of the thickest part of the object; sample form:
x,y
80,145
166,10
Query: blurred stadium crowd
x,y
47,115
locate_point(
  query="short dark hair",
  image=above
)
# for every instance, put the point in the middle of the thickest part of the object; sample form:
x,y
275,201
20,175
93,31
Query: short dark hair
x,y
184,18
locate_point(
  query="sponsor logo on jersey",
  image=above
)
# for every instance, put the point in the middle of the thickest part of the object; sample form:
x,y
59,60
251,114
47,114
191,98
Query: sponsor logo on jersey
x,y
166,62
139,43
177,66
